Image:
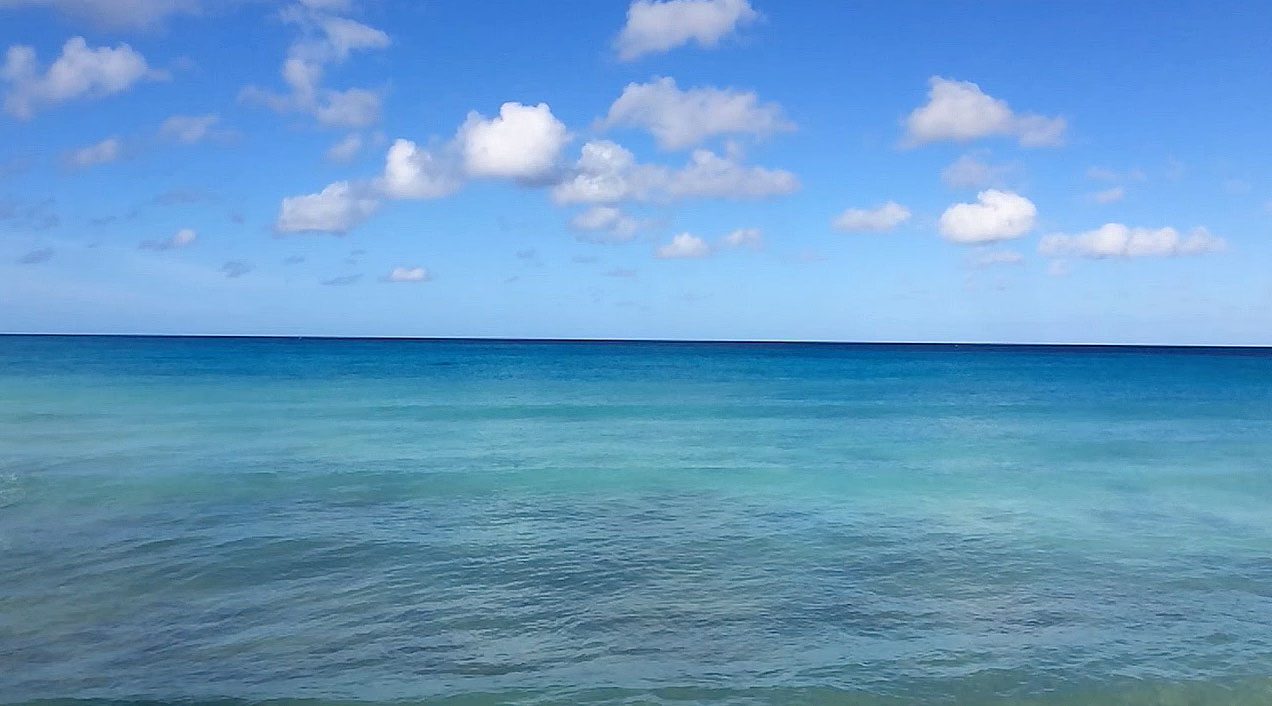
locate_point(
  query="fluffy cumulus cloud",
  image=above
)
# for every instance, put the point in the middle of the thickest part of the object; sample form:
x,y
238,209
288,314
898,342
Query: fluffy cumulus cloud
x,y
188,128
604,224
408,274
710,174
80,71
115,14
412,172
679,119
885,216
657,26
681,246
608,173
522,142
108,150
1119,240
996,215
743,238
335,209
325,39
182,238
961,111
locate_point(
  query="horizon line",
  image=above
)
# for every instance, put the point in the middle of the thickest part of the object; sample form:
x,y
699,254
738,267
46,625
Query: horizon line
x,y
558,339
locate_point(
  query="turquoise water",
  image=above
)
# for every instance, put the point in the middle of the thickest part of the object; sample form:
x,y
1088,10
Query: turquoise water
x,y
315,521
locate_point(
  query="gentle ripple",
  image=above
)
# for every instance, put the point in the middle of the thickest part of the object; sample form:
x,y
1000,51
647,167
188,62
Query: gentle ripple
x,y
324,522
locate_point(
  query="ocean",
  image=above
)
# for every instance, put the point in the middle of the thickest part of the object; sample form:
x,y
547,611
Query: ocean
x,y
314,521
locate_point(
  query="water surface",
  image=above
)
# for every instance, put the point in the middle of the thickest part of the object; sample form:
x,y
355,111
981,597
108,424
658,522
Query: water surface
x,y
465,522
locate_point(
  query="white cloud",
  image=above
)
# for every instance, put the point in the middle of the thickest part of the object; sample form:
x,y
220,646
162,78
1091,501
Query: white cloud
x,y
743,238
107,150
80,72
709,174
683,245
339,36
1118,240
990,258
335,209
414,173
608,173
408,274
1109,195
680,119
961,111
188,128
353,107
128,14
180,239
326,39
604,224
346,148
1040,131
996,215
522,143
885,216
969,172
660,26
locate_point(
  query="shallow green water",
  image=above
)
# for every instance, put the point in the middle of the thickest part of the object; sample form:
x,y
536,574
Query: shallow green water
x,y
238,521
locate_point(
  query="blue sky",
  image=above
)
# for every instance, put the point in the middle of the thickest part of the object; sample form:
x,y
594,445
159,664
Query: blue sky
x,y
705,169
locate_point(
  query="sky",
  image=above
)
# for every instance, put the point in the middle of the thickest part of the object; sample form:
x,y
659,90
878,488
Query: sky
x,y
677,169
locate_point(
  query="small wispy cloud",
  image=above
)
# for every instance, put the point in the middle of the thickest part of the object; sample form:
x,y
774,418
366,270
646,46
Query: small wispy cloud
x,y
1116,193
108,150
189,129
36,257
180,239
878,219
235,268
342,281
408,274
683,246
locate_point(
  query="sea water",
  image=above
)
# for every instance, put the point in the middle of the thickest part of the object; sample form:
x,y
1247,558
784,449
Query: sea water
x,y
188,520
